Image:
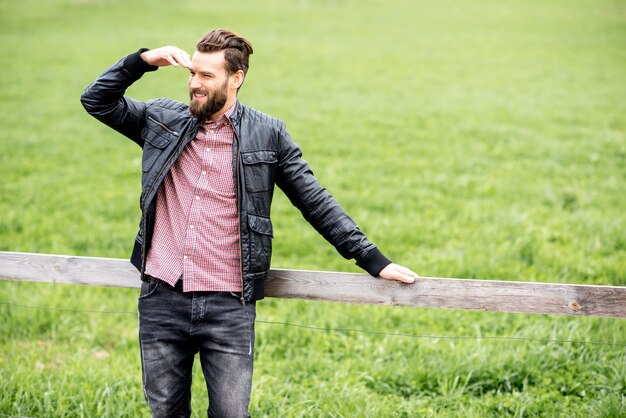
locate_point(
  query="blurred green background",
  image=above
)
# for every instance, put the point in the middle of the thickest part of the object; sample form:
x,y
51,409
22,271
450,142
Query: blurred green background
x,y
471,139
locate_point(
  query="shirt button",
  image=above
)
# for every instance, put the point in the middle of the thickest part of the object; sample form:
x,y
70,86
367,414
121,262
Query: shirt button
x,y
212,131
185,257
191,226
197,197
204,173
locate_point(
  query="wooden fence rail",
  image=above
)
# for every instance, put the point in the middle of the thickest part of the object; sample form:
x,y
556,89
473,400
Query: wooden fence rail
x,y
482,295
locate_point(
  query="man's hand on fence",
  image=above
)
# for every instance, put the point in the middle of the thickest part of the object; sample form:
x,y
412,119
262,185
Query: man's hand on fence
x,y
167,55
396,272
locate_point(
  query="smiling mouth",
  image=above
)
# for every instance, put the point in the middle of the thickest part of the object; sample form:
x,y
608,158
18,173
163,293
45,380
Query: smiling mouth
x,y
196,95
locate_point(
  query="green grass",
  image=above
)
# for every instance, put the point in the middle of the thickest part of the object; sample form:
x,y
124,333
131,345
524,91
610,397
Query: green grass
x,y
479,139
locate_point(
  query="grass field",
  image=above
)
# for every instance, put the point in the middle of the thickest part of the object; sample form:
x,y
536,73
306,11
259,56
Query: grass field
x,y
472,139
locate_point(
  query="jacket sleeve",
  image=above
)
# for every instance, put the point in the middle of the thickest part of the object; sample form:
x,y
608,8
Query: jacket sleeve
x,y
321,210
104,98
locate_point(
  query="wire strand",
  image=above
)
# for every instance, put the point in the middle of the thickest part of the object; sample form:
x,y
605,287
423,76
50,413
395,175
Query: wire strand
x,y
355,330
450,337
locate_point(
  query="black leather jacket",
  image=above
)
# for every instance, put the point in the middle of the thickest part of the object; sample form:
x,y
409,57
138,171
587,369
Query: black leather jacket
x,y
264,154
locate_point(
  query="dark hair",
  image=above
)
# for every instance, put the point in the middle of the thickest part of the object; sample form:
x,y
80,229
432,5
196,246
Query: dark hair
x,y
237,49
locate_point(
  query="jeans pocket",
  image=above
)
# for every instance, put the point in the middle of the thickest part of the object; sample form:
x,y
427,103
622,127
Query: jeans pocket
x,y
148,289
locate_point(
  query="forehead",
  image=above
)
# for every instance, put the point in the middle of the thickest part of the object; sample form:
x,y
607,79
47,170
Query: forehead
x,y
213,62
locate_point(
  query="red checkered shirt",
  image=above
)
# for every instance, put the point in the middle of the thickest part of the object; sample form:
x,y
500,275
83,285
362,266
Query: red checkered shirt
x,y
196,230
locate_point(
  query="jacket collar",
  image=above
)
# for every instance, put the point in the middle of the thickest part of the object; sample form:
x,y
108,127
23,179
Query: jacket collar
x,y
235,118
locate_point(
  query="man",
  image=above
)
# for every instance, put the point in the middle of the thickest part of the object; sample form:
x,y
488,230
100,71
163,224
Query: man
x,y
204,243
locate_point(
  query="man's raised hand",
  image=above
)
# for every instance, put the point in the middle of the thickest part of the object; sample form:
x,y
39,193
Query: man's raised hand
x,y
167,55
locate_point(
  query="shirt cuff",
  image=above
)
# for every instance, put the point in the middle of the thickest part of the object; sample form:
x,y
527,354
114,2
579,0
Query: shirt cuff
x,y
373,262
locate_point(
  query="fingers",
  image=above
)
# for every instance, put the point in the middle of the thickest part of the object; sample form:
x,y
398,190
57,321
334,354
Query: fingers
x,y
178,56
167,55
407,271
399,273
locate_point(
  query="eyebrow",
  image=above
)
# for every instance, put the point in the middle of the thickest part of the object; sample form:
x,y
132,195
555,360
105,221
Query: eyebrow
x,y
191,70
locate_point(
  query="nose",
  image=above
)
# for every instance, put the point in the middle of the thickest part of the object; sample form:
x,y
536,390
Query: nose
x,y
193,82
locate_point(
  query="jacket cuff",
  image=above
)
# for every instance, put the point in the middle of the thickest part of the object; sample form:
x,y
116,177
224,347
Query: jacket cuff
x,y
135,64
373,262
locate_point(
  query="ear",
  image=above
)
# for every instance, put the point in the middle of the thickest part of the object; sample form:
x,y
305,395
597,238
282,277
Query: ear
x,y
236,80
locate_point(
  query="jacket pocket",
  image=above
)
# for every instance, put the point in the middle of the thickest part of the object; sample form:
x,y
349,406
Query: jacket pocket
x,y
157,136
261,233
259,168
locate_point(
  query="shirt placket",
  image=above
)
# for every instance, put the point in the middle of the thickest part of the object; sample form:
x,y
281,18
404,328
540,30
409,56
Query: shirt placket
x,y
190,264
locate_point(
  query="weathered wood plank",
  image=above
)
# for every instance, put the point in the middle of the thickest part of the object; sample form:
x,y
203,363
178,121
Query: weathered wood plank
x,y
483,295
68,269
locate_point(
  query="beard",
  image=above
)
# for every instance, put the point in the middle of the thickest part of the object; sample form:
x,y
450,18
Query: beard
x,y
213,103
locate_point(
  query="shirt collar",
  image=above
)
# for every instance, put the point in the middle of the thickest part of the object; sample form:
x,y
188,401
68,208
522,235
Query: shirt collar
x,y
222,119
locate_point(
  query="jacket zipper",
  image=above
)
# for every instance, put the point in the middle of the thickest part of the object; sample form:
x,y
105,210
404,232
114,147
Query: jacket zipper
x,y
162,125
237,187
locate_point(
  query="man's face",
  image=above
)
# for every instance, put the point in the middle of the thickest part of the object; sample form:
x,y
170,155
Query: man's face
x,y
209,84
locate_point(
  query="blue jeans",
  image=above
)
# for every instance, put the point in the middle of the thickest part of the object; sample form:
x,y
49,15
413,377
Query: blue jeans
x,y
173,327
